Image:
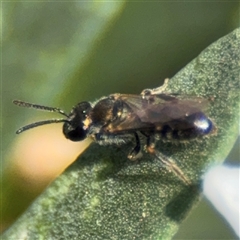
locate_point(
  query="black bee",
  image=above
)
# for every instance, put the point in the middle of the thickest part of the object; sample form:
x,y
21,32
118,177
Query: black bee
x,y
118,118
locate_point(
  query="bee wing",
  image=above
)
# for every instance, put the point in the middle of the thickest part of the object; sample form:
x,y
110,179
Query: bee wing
x,y
164,108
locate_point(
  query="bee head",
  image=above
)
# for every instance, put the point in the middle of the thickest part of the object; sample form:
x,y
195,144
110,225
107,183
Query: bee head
x,y
76,126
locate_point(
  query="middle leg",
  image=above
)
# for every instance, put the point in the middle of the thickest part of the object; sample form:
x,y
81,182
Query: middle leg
x,y
135,153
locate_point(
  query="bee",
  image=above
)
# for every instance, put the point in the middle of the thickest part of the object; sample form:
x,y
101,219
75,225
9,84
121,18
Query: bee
x,y
120,118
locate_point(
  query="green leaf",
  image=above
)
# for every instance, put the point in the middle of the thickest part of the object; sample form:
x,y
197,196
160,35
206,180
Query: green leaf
x,y
105,196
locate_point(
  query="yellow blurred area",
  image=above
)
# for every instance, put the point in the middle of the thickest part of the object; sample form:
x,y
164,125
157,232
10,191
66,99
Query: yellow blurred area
x,y
42,153
37,156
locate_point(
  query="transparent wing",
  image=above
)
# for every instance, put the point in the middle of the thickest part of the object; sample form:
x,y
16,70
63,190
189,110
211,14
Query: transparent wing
x,y
142,114
164,108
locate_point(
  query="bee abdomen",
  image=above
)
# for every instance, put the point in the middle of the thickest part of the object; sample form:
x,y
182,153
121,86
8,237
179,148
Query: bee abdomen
x,y
192,126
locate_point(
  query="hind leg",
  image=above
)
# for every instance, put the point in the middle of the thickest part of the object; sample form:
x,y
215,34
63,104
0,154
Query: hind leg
x,y
155,91
166,161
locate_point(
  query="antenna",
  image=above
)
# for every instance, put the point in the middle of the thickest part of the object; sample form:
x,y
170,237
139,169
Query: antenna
x,y
39,107
36,124
43,108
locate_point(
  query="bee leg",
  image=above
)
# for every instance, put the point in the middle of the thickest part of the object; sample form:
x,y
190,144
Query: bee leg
x,y
135,153
166,161
147,92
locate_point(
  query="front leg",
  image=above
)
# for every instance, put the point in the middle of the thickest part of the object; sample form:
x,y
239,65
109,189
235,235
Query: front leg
x,y
166,161
135,153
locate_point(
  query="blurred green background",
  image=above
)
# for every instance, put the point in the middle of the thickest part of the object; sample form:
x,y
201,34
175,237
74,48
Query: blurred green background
x,y
61,53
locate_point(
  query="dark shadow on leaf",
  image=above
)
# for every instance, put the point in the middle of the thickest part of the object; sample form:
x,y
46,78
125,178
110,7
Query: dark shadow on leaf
x,y
178,208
